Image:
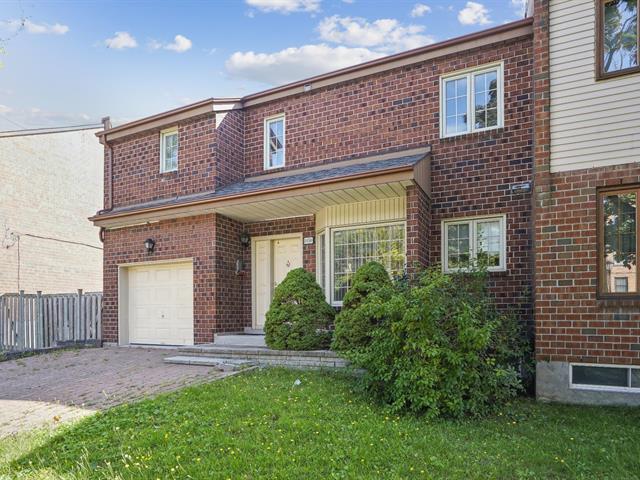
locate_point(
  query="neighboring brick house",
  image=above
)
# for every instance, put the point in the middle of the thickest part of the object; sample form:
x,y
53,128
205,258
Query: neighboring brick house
x,y
50,181
208,206
587,175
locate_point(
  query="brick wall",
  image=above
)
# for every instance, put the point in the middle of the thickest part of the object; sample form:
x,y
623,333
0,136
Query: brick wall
x,y
229,148
392,110
418,229
192,237
136,163
572,325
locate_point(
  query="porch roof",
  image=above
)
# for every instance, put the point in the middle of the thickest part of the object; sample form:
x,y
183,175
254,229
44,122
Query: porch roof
x,y
291,193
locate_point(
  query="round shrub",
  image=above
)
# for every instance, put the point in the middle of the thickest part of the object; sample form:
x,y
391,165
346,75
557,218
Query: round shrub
x,y
441,349
354,324
299,318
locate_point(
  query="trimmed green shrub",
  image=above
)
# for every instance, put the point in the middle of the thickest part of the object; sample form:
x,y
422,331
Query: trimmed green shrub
x,y
442,349
370,288
299,318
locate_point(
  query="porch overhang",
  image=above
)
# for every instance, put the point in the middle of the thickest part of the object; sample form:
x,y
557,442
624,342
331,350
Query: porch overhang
x,y
294,193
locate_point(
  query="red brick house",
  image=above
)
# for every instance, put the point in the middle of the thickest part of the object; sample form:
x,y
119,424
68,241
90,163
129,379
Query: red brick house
x,y
587,177
420,158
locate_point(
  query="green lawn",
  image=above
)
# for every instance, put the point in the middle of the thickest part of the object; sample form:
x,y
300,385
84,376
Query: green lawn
x,y
259,425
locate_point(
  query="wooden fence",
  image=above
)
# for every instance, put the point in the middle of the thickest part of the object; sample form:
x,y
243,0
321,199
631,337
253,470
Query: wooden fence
x,y
34,322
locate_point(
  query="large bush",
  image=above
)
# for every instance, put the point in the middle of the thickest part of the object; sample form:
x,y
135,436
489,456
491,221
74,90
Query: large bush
x,y
371,287
441,348
299,318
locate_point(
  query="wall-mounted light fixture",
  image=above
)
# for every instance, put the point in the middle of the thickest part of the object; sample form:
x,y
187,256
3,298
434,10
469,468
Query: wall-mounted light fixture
x,y
149,245
245,239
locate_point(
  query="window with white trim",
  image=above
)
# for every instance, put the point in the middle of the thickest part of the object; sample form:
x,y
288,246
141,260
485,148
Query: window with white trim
x,y
471,101
474,241
605,377
352,247
274,142
169,150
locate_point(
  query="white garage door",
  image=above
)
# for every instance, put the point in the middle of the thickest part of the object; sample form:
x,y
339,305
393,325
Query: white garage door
x,y
161,304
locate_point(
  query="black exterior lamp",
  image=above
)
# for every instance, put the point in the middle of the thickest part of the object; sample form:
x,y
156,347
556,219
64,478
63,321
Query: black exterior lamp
x,y
245,239
149,245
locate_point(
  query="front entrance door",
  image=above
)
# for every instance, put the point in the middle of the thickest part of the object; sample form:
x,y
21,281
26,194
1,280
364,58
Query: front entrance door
x,y
273,258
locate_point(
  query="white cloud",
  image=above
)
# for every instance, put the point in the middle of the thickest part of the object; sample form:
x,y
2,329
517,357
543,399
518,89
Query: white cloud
x,y
120,41
4,109
180,44
519,6
419,9
296,62
285,6
36,28
385,35
474,13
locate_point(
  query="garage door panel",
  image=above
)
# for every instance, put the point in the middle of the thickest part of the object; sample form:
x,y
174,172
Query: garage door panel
x,y
161,304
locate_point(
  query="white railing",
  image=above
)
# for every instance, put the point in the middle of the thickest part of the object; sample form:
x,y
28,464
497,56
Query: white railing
x,y
38,321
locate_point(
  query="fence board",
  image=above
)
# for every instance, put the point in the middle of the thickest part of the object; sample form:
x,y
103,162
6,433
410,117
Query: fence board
x,y
35,321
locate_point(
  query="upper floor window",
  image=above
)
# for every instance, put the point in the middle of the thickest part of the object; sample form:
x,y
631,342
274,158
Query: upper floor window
x,y
618,241
274,142
471,101
474,241
618,38
169,150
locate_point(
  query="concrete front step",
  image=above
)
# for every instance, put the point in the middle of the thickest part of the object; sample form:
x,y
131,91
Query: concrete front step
x,y
224,364
240,340
266,356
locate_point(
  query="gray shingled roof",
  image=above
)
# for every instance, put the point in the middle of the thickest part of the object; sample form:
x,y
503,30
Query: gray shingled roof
x,y
291,180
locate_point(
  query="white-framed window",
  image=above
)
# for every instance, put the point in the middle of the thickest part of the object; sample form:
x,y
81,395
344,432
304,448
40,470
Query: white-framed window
x,y
604,377
274,142
474,241
169,150
345,249
472,100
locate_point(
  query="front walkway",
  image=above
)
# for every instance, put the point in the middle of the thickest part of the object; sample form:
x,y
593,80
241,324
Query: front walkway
x,y
65,385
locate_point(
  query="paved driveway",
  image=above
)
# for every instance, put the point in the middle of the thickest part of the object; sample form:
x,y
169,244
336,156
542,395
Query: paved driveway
x,y
65,385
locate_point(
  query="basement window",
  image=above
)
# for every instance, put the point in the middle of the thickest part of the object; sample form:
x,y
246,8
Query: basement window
x,y
605,377
169,150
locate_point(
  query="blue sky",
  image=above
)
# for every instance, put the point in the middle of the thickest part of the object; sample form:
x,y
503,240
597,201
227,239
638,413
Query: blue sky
x,y
73,62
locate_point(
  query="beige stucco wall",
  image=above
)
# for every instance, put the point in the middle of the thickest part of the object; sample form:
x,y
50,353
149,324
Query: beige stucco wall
x,y
49,184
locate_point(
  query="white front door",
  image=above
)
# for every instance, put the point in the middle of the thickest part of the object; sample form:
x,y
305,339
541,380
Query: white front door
x,y
161,304
274,258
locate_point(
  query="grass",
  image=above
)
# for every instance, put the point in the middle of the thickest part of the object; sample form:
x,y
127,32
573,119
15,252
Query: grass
x,y
260,425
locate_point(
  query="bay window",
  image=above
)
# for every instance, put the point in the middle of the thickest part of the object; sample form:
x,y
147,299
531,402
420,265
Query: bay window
x,y
618,241
351,247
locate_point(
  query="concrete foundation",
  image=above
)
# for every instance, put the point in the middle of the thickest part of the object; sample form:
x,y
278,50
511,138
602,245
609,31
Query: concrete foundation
x,y
552,385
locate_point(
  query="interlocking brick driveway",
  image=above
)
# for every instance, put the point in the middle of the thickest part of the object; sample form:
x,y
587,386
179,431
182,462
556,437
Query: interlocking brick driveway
x,y
64,385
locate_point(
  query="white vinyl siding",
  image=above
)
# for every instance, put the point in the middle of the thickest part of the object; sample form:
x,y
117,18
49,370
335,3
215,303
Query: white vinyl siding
x,y
593,123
